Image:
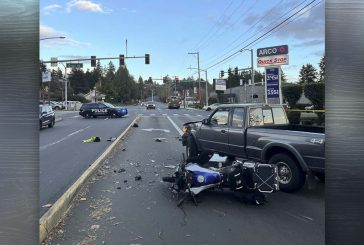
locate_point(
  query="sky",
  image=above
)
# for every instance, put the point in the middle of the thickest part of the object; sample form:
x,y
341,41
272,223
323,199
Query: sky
x,y
169,29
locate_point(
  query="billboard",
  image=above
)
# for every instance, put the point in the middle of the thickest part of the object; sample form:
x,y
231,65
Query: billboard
x,y
220,84
46,76
270,51
272,78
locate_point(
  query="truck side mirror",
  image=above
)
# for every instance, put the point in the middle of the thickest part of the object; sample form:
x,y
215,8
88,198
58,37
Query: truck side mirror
x,y
206,121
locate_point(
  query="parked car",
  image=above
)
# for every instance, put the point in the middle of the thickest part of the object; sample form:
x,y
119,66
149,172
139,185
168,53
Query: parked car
x,y
150,105
260,133
57,105
311,107
46,116
97,109
210,107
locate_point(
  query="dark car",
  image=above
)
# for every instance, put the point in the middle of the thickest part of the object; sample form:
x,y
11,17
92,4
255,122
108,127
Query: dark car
x,y
46,116
97,109
150,105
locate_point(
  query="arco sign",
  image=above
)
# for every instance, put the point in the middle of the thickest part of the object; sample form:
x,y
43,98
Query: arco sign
x,y
270,51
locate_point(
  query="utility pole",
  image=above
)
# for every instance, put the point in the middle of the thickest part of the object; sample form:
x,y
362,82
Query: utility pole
x,y
126,47
199,78
207,101
253,84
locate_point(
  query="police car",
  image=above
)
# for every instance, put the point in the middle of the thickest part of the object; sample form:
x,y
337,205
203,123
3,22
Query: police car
x,y
97,109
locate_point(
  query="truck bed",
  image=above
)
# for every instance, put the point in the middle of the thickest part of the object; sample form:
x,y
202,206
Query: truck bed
x,y
296,127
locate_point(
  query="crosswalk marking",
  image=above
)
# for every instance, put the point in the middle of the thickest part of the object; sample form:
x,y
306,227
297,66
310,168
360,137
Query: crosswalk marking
x,y
187,115
152,114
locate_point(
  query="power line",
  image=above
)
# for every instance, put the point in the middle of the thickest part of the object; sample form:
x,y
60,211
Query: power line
x,y
257,32
260,37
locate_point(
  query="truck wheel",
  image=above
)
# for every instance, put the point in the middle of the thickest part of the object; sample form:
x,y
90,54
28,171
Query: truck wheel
x,y
291,177
51,124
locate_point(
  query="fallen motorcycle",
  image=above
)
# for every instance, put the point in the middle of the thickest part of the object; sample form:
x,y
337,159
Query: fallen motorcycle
x,y
250,179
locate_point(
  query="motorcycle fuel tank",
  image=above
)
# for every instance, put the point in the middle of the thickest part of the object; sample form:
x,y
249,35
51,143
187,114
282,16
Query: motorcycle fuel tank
x,y
203,176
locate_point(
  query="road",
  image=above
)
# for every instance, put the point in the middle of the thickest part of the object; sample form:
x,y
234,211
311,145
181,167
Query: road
x,y
118,209
64,156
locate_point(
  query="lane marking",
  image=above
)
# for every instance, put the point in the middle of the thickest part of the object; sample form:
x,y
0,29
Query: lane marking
x,y
187,115
106,119
175,126
156,129
76,116
152,114
199,116
164,114
63,139
175,114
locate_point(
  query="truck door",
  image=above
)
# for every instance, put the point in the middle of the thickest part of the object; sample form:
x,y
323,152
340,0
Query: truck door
x,y
214,136
237,132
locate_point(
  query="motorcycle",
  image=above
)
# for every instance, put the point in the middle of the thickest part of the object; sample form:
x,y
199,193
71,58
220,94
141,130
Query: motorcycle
x,y
250,179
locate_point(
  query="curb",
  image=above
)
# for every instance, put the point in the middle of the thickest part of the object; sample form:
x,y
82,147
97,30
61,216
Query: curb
x,y
189,108
51,218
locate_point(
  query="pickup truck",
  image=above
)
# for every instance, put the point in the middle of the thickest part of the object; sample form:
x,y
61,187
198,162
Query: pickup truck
x,y
259,132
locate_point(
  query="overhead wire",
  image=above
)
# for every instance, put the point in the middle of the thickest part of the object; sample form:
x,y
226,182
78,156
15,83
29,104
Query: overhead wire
x,y
263,35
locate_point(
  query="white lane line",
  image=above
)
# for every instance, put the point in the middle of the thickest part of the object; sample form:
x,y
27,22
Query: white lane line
x,y
187,115
175,125
106,119
152,114
164,114
199,116
175,114
63,139
76,116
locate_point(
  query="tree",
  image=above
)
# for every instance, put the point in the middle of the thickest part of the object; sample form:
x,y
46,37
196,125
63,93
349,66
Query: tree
x,y
322,69
78,82
307,74
283,77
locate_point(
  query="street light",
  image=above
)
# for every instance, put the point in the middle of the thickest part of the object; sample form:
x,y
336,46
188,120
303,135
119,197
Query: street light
x,y
252,66
205,70
51,38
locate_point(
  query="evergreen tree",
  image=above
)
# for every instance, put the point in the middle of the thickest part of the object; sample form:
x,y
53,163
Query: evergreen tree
x,y
307,74
322,69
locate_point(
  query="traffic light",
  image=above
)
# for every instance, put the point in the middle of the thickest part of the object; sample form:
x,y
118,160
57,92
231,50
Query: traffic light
x,y
147,59
236,71
93,61
150,80
229,72
222,73
121,60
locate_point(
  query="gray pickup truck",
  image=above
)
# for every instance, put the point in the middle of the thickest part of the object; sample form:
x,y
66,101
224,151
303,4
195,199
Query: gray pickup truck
x,y
262,133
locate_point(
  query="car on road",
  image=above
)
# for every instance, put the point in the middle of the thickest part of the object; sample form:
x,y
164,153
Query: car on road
x,y
46,116
174,102
98,109
210,107
150,105
262,133
57,105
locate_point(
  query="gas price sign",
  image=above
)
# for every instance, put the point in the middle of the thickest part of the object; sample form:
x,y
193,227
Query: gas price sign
x,y
272,78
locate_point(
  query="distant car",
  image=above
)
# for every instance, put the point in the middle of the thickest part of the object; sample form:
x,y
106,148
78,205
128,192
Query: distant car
x,y
143,104
311,107
57,105
150,105
97,109
211,107
46,116
173,102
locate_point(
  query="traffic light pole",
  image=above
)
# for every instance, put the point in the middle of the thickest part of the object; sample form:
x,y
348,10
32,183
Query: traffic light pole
x,y
199,78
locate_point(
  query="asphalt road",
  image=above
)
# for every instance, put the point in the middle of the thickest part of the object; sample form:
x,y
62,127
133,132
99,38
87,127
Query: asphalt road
x,y
64,156
120,210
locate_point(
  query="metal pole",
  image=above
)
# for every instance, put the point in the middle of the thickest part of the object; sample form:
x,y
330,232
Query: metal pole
x,y
65,88
207,101
126,47
253,86
199,78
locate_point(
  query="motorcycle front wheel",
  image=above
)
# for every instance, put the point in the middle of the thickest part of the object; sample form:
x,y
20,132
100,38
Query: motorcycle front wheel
x,y
169,179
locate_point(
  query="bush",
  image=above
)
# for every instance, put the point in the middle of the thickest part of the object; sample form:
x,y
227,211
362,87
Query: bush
x,y
294,117
315,92
212,100
292,93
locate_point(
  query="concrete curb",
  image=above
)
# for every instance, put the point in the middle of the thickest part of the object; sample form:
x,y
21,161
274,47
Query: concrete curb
x,y
51,218
189,108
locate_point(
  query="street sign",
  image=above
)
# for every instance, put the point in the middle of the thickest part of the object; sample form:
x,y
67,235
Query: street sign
x,y
220,84
275,60
74,65
54,61
270,51
272,78
46,76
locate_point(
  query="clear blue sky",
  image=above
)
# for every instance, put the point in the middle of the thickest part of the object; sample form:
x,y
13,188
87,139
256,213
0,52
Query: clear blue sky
x,y
169,29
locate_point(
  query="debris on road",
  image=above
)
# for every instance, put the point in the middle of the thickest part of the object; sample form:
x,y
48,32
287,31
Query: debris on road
x,y
158,140
119,187
125,181
152,160
123,149
47,205
83,199
170,166
121,170
135,125
111,139
95,227
138,177
92,139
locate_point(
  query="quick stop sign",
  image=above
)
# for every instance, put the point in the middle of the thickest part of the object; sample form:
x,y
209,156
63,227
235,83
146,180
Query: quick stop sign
x,y
270,51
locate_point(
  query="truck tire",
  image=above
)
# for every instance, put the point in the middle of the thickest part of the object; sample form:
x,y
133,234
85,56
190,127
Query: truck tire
x,y
291,177
52,123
